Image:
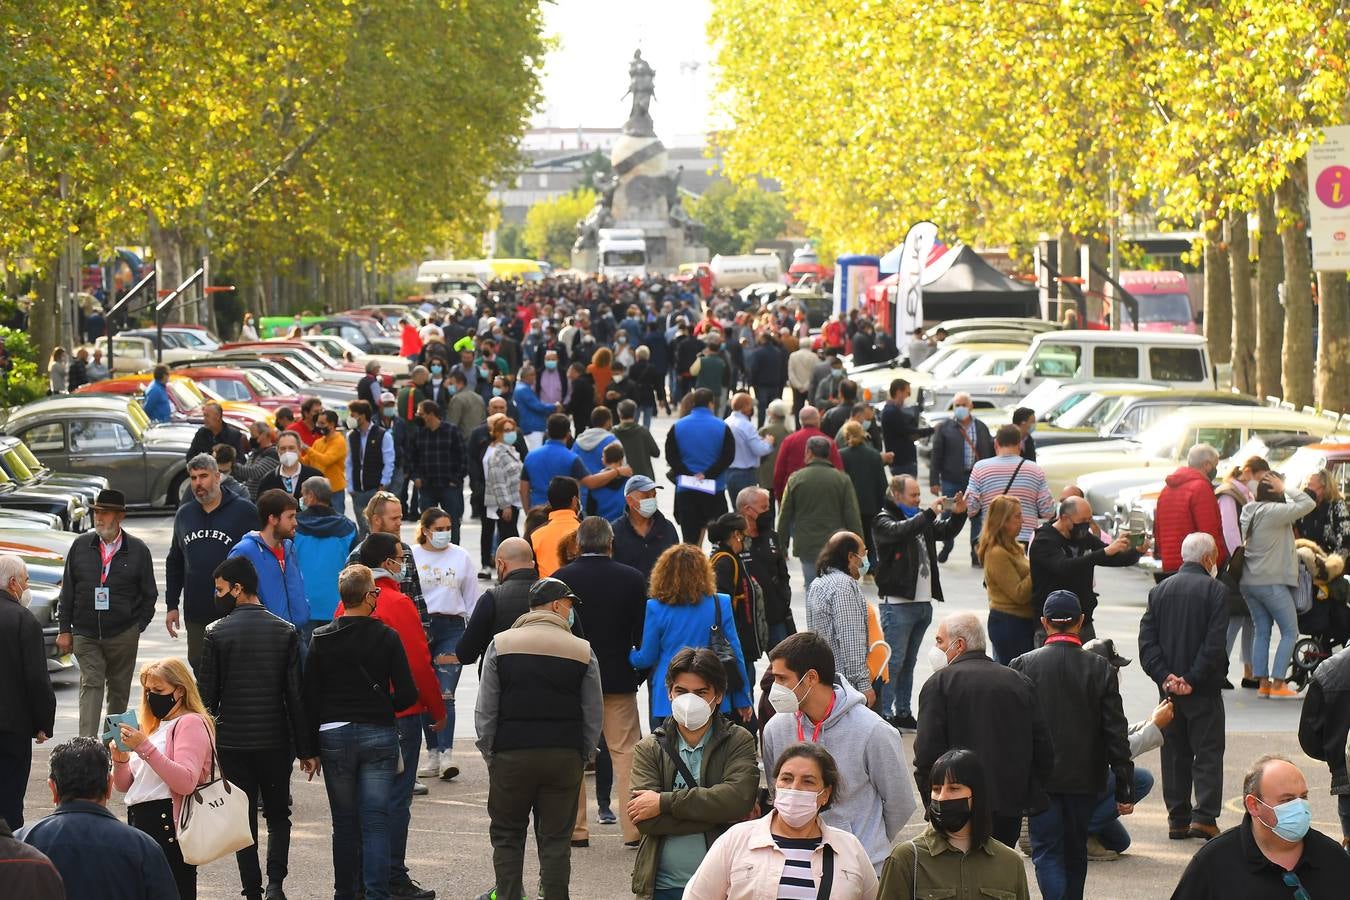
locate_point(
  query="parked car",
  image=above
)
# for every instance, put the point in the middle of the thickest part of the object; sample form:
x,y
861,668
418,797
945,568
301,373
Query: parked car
x,y
1130,462
1017,323
44,553
134,351
240,385
937,369
341,348
109,436
1125,413
185,397
18,462
361,331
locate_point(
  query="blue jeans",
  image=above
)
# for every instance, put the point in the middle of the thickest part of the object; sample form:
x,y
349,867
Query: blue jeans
x,y
306,635
1059,845
738,479
778,632
1105,822
340,502
1271,603
449,498
400,797
445,634
358,773
808,572
359,501
645,414
668,894
1010,635
904,625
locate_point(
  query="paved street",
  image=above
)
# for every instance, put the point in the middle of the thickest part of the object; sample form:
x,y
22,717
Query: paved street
x,y
449,850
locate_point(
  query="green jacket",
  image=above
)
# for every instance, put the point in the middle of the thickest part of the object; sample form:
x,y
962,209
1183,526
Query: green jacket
x,y
818,501
729,767
863,466
991,873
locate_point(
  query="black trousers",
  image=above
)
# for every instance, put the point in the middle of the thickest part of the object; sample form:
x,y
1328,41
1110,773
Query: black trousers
x,y
265,773
547,784
1007,829
155,818
499,529
1192,758
16,761
694,510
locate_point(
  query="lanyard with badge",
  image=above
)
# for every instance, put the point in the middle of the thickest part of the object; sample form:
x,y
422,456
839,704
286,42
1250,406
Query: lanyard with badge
x,y
815,730
106,554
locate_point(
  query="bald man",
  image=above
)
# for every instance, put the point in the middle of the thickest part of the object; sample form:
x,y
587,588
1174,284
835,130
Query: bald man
x,y
792,454
1064,555
499,607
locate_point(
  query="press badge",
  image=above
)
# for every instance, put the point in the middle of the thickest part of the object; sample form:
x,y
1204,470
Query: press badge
x,y
101,599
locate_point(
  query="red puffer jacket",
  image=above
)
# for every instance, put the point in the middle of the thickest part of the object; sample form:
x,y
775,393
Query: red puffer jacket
x,y
1186,505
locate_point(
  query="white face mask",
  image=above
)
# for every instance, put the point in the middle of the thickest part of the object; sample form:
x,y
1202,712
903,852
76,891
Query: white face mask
x,y
26,598
440,539
796,808
937,658
289,458
647,507
783,699
352,423
691,711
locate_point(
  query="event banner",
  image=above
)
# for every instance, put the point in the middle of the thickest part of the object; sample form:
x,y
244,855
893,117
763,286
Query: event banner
x,y
1329,200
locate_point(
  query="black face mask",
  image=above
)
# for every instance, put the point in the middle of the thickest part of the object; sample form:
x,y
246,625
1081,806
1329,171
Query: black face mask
x,y
949,816
225,604
1080,530
160,704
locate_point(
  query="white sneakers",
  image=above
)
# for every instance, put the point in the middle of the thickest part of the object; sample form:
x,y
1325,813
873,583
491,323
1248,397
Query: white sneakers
x,y
431,768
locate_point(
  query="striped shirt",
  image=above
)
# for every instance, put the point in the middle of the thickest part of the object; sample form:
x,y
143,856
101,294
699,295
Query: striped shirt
x,y
991,478
797,882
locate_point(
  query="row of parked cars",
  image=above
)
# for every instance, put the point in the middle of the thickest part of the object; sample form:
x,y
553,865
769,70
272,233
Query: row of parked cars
x,y
1116,411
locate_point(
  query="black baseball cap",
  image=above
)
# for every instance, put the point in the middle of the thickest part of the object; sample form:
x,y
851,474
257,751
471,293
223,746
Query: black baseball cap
x,y
546,590
1062,606
1106,648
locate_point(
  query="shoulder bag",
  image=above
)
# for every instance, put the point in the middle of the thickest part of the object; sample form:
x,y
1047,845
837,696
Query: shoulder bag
x,y
1231,575
213,820
719,643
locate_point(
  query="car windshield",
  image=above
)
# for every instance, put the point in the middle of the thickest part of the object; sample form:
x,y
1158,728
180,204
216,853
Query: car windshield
x,y
1066,402
625,258
137,420
17,465
183,396
941,355
1105,414
953,364
1173,308
263,384
28,458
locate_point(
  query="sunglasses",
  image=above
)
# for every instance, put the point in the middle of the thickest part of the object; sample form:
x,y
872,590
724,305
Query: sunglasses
x,y
1300,892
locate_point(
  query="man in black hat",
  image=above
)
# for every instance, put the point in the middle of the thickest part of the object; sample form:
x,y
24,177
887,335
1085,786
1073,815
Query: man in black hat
x,y
538,715
1183,648
107,599
1080,697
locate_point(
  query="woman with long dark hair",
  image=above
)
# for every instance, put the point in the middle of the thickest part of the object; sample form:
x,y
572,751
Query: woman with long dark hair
x,y
958,847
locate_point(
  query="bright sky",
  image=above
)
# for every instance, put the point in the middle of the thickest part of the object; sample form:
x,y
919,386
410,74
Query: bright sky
x,y
587,74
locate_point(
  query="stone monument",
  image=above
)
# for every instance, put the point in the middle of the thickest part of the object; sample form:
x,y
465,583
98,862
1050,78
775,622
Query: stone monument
x,y
642,193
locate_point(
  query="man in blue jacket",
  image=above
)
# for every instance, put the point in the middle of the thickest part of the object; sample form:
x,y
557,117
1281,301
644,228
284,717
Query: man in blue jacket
x,y
127,864
204,530
554,458
700,446
281,586
534,412
323,538
156,401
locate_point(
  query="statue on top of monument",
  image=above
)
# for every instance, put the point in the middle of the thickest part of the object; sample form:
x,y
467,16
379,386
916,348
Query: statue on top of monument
x,y
642,88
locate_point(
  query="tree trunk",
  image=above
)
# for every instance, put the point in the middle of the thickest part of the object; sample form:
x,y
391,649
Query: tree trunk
x,y
1298,320
42,325
1067,250
1333,341
1244,305
1269,315
1218,293
167,245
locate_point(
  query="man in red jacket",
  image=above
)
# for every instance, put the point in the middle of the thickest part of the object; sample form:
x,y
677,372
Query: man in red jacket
x,y
384,555
792,454
1187,504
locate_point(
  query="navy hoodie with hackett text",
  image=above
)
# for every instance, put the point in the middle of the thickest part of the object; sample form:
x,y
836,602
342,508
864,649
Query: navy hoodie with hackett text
x,y
201,541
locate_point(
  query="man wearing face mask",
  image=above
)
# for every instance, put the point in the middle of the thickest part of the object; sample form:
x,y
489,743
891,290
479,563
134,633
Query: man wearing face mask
x,y
693,777
1187,505
813,703
1064,555
500,606
204,530
1274,851
766,561
643,532
958,443
27,702
370,459
538,715
291,473
1182,648
250,681
972,702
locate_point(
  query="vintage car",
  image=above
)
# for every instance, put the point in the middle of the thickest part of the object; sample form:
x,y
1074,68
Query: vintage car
x,y
341,348
44,552
110,436
186,398
1118,413
239,385
1109,467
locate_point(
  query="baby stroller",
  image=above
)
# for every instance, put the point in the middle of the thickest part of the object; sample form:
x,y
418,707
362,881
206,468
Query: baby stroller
x,y
1325,626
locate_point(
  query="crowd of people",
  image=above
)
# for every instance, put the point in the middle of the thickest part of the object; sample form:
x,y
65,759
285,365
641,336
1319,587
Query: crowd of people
x,y
773,763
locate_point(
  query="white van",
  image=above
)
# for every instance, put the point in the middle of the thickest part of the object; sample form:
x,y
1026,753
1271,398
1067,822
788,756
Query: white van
x,y
445,276
1176,360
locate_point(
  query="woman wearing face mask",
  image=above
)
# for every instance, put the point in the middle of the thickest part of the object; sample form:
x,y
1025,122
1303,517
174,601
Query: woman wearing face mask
x,y
1237,490
450,591
170,754
837,610
727,534
681,613
693,777
790,853
957,848
1269,576
1329,522
1007,578
501,487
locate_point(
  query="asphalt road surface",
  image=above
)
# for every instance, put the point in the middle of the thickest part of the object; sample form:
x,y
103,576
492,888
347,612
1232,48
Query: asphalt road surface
x,y
449,850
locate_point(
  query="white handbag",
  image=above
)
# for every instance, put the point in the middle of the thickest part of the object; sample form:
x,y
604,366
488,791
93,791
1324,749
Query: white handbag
x,y
213,820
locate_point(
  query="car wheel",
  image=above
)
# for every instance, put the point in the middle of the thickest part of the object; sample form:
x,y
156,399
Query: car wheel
x,y
179,490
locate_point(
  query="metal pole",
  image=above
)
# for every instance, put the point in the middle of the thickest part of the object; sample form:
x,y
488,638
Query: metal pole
x,y
1115,246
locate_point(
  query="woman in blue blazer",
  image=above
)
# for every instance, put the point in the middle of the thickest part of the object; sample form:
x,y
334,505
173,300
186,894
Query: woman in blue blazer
x,y
681,614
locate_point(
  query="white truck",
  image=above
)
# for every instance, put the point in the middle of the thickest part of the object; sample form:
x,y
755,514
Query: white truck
x,y
621,253
736,272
